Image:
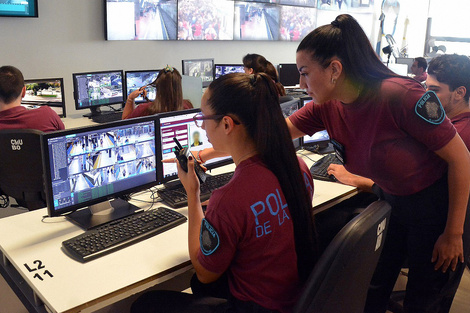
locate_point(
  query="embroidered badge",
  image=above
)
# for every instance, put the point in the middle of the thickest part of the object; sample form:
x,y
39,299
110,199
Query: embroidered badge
x,y
208,239
430,109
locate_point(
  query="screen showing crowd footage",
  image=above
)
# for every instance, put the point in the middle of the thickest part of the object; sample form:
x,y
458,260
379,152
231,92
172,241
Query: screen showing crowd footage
x,y
211,20
296,22
141,19
205,20
256,21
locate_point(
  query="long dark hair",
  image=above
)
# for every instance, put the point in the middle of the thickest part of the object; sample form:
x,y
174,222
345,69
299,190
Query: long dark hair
x,y
259,64
169,92
345,39
254,100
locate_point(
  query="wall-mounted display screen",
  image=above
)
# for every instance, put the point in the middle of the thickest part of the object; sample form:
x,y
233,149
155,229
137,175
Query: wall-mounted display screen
x,y
289,20
256,21
19,8
205,20
141,20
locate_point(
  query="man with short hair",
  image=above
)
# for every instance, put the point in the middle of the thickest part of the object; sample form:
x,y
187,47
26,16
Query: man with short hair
x,y
419,69
15,116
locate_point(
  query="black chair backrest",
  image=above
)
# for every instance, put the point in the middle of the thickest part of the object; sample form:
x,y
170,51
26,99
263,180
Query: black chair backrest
x,y
21,172
341,277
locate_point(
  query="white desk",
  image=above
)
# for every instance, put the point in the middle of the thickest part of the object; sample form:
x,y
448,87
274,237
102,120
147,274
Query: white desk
x,y
32,258
75,121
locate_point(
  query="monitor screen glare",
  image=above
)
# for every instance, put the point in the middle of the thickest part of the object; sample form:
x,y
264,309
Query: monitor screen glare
x,y
182,126
48,92
90,164
223,69
138,79
200,68
97,89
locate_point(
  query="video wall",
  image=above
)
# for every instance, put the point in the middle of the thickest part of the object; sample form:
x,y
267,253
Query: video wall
x,y
289,20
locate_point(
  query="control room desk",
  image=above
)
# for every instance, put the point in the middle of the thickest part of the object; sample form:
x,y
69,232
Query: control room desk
x,y
47,280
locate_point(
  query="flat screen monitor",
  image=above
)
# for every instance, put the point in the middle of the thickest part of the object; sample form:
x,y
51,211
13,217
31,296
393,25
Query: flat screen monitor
x,y
321,138
138,79
96,89
203,68
297,22
288,74
223,69
205,19
86,167
180,124
288,108
302,3
49,91
141,20
19,8
256,21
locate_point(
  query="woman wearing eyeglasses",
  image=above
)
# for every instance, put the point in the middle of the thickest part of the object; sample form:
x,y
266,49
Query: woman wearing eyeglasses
x,y
258,229
169,96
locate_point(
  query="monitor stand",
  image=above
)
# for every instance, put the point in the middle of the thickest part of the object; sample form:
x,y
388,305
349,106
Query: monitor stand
x,y
94,111
102,213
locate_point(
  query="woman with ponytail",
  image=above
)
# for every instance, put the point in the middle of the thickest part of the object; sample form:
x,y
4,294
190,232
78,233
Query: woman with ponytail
x,y
258,229
386,128
169,96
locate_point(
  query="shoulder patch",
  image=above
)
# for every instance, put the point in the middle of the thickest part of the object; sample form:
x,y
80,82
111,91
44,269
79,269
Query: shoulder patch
x,y
208,239
430,109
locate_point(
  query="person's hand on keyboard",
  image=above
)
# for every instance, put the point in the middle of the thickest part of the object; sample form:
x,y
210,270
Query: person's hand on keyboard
x,y
343,176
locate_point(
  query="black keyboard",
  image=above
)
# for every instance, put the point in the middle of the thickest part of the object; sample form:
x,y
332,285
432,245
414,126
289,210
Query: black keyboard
x,y
319,170
176,196
121,233
107,117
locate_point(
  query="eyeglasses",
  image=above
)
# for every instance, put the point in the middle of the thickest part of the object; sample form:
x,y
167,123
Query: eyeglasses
x,y
199,118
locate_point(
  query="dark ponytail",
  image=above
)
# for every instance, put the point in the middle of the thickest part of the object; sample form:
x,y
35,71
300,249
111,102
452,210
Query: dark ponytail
x,y
345,39
254,100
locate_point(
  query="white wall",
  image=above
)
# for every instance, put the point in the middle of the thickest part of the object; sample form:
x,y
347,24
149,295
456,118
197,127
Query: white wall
x,y
68,37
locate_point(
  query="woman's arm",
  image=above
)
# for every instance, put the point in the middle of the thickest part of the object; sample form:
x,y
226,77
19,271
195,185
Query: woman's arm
x,y
195,216
347,178
448,250
294,131
130,103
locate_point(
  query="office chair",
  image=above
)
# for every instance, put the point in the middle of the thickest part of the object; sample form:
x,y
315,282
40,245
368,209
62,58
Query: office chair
x,y
21,172
341,277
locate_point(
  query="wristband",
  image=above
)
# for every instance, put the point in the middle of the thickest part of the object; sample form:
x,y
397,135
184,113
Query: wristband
x,y
199,156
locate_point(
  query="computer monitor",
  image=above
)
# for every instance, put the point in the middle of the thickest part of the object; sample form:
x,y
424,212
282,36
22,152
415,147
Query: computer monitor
x,y
222,69
288,108
19,8
87,167
47,91
180,124
138,79
95,89
320,139
203,68
288,74
256,21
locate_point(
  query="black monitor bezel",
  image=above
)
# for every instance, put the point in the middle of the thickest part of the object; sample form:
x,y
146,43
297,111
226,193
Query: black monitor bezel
x,y
215,67
35,15
137,71
303,102
204,84
75,94
283,81
62,90
158,148
47,168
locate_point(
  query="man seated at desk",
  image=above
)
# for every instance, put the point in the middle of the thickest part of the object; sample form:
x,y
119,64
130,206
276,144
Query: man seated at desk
x,y
15,116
